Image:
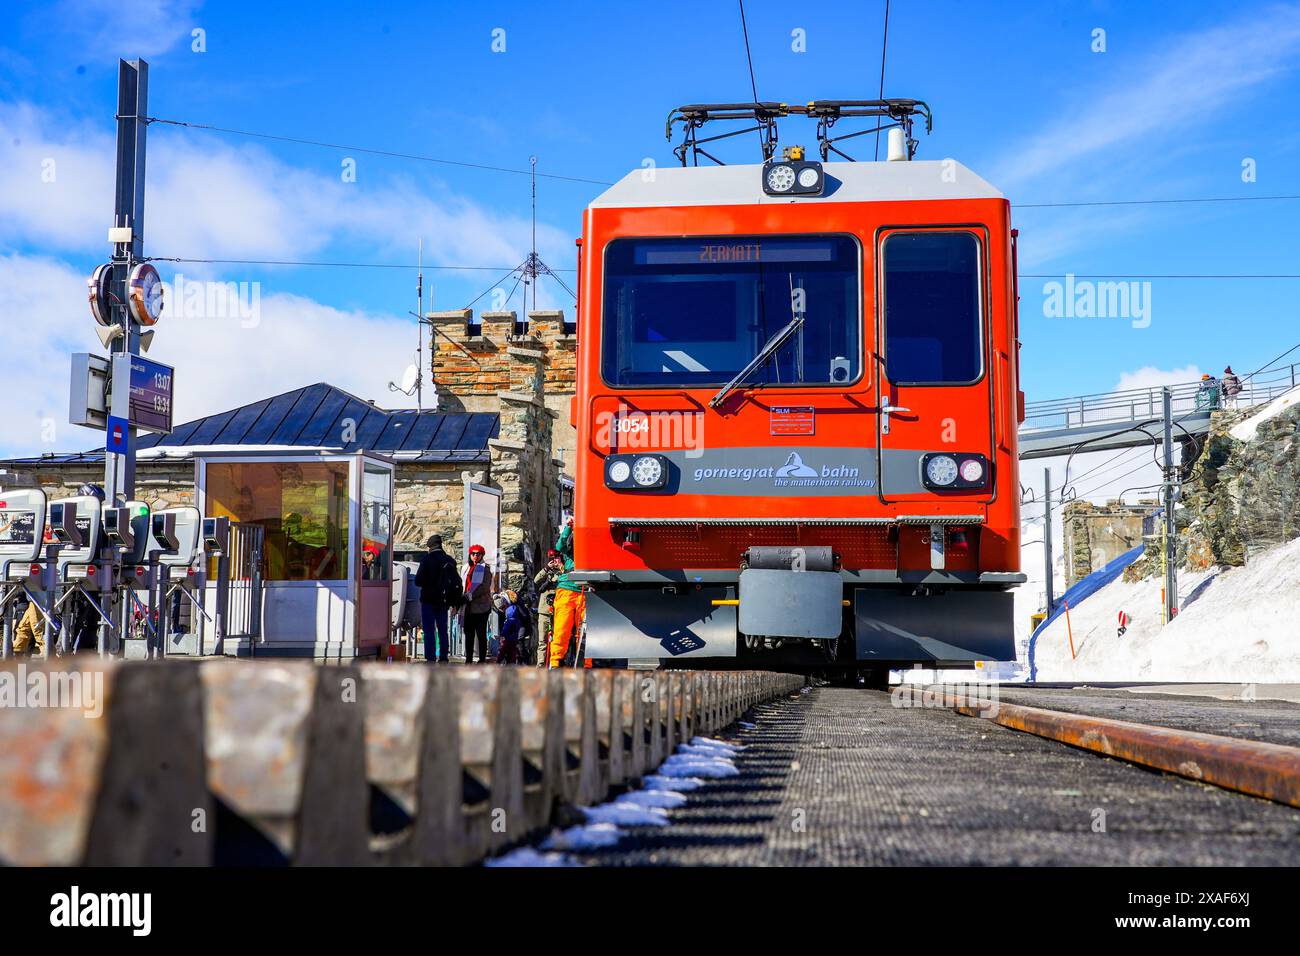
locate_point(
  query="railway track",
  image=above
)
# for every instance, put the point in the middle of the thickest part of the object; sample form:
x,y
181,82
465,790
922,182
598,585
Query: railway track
x,y
849,777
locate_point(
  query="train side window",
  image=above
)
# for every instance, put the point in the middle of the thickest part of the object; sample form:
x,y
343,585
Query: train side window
x,y
932,308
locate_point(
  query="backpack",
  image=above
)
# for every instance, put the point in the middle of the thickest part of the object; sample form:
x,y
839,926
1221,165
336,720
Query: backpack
x,y
453,590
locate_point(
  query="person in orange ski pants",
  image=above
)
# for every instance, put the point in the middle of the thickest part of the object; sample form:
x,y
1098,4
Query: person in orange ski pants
x,y
570,602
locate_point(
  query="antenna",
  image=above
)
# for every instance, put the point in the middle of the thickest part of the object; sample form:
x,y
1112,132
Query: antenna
x,y
533,268
413,377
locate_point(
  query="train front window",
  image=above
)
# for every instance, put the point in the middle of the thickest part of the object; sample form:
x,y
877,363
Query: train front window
x,y
932,308
695,312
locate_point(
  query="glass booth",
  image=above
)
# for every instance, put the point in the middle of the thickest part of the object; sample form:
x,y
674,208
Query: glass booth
x,y
327,551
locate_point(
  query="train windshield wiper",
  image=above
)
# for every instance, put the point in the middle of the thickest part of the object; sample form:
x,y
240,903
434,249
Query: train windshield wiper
x,y
766,352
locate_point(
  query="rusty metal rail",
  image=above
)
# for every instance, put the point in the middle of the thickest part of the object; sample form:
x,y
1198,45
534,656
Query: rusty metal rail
x,y
232,763
1261,769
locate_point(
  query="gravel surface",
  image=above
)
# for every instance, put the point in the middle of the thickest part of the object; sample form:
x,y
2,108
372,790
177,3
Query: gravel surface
x,y
841,777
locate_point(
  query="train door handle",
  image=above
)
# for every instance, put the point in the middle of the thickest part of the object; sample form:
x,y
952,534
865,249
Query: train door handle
x,y
885,411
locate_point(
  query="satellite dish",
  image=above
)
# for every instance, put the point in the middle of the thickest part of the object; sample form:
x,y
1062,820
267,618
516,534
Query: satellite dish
x,y
409,378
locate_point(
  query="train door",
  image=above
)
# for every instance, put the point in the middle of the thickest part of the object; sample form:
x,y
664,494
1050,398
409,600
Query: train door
x,y
935,427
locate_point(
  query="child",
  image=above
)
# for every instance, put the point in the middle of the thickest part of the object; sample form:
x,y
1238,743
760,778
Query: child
x,y
512,630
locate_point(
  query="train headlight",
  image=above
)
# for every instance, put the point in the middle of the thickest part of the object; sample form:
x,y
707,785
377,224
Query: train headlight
x,y
941,470
954,470
619,472
793,177
648,471
644,472
779,178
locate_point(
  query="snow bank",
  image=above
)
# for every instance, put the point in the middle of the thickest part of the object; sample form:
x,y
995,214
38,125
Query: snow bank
x,y
528,857
663,791
591,836
1245,430
1235,625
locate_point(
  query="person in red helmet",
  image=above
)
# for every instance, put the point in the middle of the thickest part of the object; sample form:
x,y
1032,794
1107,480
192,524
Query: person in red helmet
x,y
478,604
371,568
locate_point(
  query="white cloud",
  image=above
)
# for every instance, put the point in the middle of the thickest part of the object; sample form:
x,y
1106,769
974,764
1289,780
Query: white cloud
x,y
1135,128
219,363
1151,377
57,189
1191,81
98,29
207,198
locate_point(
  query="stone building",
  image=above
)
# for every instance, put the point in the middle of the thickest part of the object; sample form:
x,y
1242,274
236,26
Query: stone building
x,y
497,425
472,363
1097,534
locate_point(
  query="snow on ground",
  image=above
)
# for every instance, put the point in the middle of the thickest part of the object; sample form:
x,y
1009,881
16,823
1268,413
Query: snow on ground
x,y
1245,430
1235,625
647,806
528,857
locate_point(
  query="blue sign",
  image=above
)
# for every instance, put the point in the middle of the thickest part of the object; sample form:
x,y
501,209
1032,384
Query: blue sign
x,y
116,435
151,395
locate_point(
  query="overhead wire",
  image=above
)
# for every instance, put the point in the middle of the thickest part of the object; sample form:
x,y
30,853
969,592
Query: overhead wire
x,y
884,47
333,265
753,83
371,150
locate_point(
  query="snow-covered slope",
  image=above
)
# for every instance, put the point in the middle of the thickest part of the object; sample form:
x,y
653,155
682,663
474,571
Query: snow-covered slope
x,y
1235,624
1245,430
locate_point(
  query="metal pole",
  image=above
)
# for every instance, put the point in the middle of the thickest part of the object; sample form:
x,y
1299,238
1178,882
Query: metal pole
x,y
1047,535
128,211
51,576
7,624
1171,529
419,330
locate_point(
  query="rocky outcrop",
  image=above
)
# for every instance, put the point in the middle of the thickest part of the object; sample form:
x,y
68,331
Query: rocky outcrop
x,y
1239,497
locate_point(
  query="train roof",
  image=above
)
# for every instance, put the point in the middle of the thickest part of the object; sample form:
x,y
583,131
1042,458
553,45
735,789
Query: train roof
x,y
845,182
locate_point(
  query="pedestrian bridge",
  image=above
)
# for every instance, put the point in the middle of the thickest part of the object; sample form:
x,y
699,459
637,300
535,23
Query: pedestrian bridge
x,y
1126,419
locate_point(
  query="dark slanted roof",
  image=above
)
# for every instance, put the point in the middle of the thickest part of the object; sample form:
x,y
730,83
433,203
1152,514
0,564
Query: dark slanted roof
x,y
317,416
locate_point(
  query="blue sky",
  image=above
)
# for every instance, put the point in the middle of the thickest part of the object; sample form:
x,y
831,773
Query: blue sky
x,y
1180,97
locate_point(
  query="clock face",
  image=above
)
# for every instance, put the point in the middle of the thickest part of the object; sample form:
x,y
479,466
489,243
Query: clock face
x,y
99,284
146,294
153,298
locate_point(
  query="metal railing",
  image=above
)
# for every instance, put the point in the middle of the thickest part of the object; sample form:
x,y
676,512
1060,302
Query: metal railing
x,y
1144,404
465,761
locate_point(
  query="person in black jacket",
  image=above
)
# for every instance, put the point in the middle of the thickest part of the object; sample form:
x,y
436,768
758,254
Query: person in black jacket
x,y
439,586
